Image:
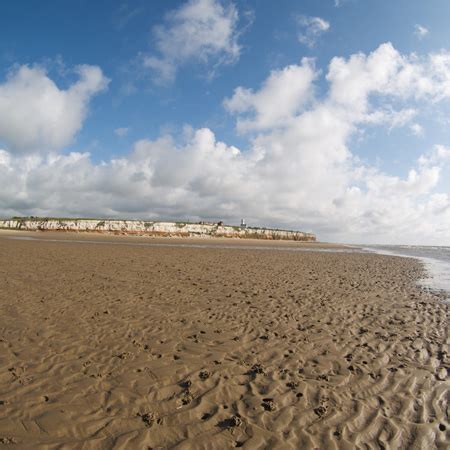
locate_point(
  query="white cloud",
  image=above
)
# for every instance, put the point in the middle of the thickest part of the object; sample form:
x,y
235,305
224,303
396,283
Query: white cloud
x,y
402,117
36,115
416,129
311,28
438,155
156,178
289,89
299,170
121,132
420,31
203,31
305,180
390,117
387,73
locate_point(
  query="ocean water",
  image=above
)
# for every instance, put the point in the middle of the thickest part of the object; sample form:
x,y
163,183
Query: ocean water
x,y
435,258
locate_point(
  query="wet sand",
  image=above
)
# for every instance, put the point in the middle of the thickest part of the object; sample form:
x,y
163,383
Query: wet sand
x,y
137,347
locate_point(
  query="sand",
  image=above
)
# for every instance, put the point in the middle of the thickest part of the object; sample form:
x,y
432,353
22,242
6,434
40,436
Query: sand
x,y
134,347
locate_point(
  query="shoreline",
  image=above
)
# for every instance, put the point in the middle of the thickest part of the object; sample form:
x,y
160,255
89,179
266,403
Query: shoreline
x,y
432,281
437,278
137,346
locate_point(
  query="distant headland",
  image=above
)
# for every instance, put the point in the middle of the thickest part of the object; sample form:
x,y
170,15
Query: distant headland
x,y
153,228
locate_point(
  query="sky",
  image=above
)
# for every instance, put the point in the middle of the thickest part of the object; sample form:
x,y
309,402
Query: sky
x,y
329,116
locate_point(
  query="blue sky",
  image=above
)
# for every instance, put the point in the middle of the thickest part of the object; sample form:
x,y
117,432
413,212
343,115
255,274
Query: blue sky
x,y
155,90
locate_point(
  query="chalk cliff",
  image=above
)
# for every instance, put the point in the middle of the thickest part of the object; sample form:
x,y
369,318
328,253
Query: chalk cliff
x,y
148,228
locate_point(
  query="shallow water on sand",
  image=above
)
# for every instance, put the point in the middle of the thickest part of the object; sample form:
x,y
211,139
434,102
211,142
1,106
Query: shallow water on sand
x,y
179,244
435,258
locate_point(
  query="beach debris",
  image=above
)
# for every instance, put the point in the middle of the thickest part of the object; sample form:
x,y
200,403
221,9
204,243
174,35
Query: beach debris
x,y
204,375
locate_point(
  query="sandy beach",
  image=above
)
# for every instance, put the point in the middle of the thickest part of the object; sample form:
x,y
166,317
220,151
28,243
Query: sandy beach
x,y
106,346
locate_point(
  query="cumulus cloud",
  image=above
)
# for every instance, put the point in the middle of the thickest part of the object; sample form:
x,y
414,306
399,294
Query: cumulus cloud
x,y
204,31
311,28
156,179
298,171
36,115
289,89
420,31
385,72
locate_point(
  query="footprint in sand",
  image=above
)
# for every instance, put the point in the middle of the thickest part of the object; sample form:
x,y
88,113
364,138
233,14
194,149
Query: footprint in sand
x,y
268,404
148,418
232,422
204,375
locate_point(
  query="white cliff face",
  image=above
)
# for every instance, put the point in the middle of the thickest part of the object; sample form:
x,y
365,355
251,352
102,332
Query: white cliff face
x,y
144,228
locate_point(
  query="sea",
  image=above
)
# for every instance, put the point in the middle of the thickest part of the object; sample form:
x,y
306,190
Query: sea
x,y
435,258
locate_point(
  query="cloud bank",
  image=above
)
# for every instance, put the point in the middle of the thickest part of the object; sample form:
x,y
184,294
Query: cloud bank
x,y
298,170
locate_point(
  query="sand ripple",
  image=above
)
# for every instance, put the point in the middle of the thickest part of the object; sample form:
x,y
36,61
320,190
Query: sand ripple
x,y
124,347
